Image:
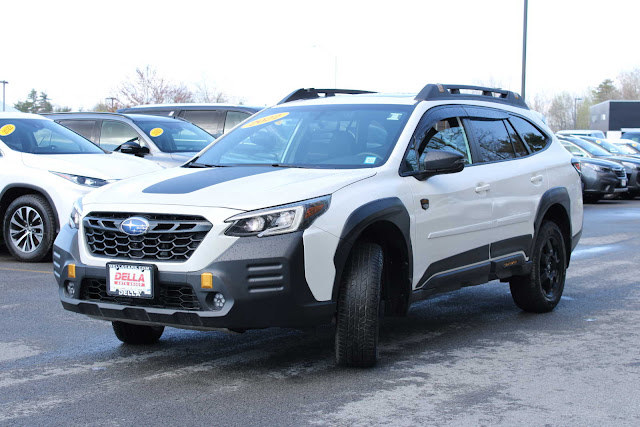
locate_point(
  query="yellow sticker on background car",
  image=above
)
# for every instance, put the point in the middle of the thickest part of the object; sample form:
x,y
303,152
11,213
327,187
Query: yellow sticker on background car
x,y
264,120
156,132
7,130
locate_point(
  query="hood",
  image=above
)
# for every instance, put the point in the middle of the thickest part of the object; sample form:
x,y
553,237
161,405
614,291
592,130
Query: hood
x,y
103,166
239,187
619,159
601,162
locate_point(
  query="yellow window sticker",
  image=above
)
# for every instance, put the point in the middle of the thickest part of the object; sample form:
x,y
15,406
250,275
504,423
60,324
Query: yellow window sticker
x,y
264,120
156,132
7,130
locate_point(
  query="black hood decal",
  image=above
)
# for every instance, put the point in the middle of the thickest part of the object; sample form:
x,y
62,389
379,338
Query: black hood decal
x,y
206,178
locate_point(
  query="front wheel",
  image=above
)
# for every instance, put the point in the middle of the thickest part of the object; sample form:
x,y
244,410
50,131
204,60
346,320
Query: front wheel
x,y
541,290
129,333
29,228
358,316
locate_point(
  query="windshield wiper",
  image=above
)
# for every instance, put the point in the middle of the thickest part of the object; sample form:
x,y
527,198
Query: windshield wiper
x,y
279,165
203,165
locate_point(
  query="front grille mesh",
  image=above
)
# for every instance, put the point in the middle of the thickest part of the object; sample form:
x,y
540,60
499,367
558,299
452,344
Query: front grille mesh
x,y
180,297
170,237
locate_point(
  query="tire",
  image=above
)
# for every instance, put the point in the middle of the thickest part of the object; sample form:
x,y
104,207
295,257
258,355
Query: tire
x,y
541,290
590,198
358,317
28,227
129,333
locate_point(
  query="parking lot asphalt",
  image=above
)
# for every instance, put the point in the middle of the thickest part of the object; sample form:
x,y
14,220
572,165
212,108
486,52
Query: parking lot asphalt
x,y
465,358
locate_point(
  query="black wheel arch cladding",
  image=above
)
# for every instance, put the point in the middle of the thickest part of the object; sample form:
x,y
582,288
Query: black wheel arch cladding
x,y
385,213
550,200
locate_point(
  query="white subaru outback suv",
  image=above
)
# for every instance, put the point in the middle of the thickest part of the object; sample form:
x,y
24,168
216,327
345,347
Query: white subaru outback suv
x,y
332,208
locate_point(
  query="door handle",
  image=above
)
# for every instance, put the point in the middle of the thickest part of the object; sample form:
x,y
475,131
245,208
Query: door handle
x,y
536,179
482,188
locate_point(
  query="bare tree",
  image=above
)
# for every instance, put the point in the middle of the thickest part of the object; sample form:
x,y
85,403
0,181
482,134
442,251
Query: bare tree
x,y
560,114
206,93
147,87
629,84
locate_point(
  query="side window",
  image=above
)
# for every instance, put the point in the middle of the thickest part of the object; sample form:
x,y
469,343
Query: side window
x,y
493,140
535,139
211,121
233,118
518,145
115,133
444,135
82,127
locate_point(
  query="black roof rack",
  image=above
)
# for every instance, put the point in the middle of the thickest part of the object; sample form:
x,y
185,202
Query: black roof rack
x,y
432,92
311,93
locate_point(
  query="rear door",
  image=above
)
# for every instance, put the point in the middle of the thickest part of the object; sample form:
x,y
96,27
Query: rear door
x,y
514,178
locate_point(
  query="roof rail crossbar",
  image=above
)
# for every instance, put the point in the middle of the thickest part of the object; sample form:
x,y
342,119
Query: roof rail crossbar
x,y
312,93
432,92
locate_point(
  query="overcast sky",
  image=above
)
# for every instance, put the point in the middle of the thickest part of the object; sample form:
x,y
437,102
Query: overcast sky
x,y
79,51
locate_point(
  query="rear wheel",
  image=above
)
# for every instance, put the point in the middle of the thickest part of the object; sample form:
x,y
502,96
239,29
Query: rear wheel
x,y
541,290
129,333
29,228
358,317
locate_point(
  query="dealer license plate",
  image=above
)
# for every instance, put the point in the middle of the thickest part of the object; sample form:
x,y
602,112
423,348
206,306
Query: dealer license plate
x,y
130,280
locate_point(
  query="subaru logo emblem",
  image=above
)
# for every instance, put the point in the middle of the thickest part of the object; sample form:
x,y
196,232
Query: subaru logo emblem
x,y
134,226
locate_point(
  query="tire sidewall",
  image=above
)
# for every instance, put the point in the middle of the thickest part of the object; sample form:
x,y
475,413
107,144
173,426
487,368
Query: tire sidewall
x,y
48,222
550,229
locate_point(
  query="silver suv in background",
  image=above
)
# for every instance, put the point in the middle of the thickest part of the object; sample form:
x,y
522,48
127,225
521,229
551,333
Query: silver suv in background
x,y
166,141
217,119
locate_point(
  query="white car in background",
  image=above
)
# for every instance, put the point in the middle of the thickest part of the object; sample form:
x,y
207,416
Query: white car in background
x,y
45,168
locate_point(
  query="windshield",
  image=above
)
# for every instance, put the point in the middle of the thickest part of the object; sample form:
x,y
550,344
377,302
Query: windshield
x,y
40,136
320,136
612,148
634,136
593,149
175,136
625,149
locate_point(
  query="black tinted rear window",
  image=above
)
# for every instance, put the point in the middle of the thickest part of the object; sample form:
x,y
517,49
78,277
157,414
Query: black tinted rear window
x,y
535,139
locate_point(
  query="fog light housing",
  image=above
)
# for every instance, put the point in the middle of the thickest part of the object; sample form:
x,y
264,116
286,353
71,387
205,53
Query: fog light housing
x,y
70,288
218,301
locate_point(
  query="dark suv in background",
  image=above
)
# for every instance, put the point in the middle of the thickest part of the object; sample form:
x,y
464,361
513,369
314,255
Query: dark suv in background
x,y
217,119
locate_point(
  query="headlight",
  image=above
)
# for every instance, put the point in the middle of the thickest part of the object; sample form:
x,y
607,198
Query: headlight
x,y
76,214
593,167
278,220
83,180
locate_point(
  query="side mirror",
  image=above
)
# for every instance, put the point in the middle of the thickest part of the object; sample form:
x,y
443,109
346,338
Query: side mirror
x,y
437,162
132,147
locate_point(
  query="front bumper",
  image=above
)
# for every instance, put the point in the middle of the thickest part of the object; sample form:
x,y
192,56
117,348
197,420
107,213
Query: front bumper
x,y
262,280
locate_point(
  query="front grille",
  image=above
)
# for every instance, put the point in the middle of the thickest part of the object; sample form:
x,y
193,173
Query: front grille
x,y
169,238
180,297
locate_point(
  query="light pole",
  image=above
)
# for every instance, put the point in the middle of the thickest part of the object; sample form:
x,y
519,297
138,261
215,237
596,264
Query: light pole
x,y
575,112
524,48
4,83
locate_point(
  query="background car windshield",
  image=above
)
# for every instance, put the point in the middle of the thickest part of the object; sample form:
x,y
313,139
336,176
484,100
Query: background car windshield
x,y
625,149
594,149
44,137
326,136
176,136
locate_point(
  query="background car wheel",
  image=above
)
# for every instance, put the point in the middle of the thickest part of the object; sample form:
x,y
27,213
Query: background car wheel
x,y
137,334
29,228
541,290
358,316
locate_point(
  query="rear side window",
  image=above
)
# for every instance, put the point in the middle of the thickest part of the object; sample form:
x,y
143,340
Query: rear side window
x,y
494,143
535,139
82,127
211,121
233,118
518,145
